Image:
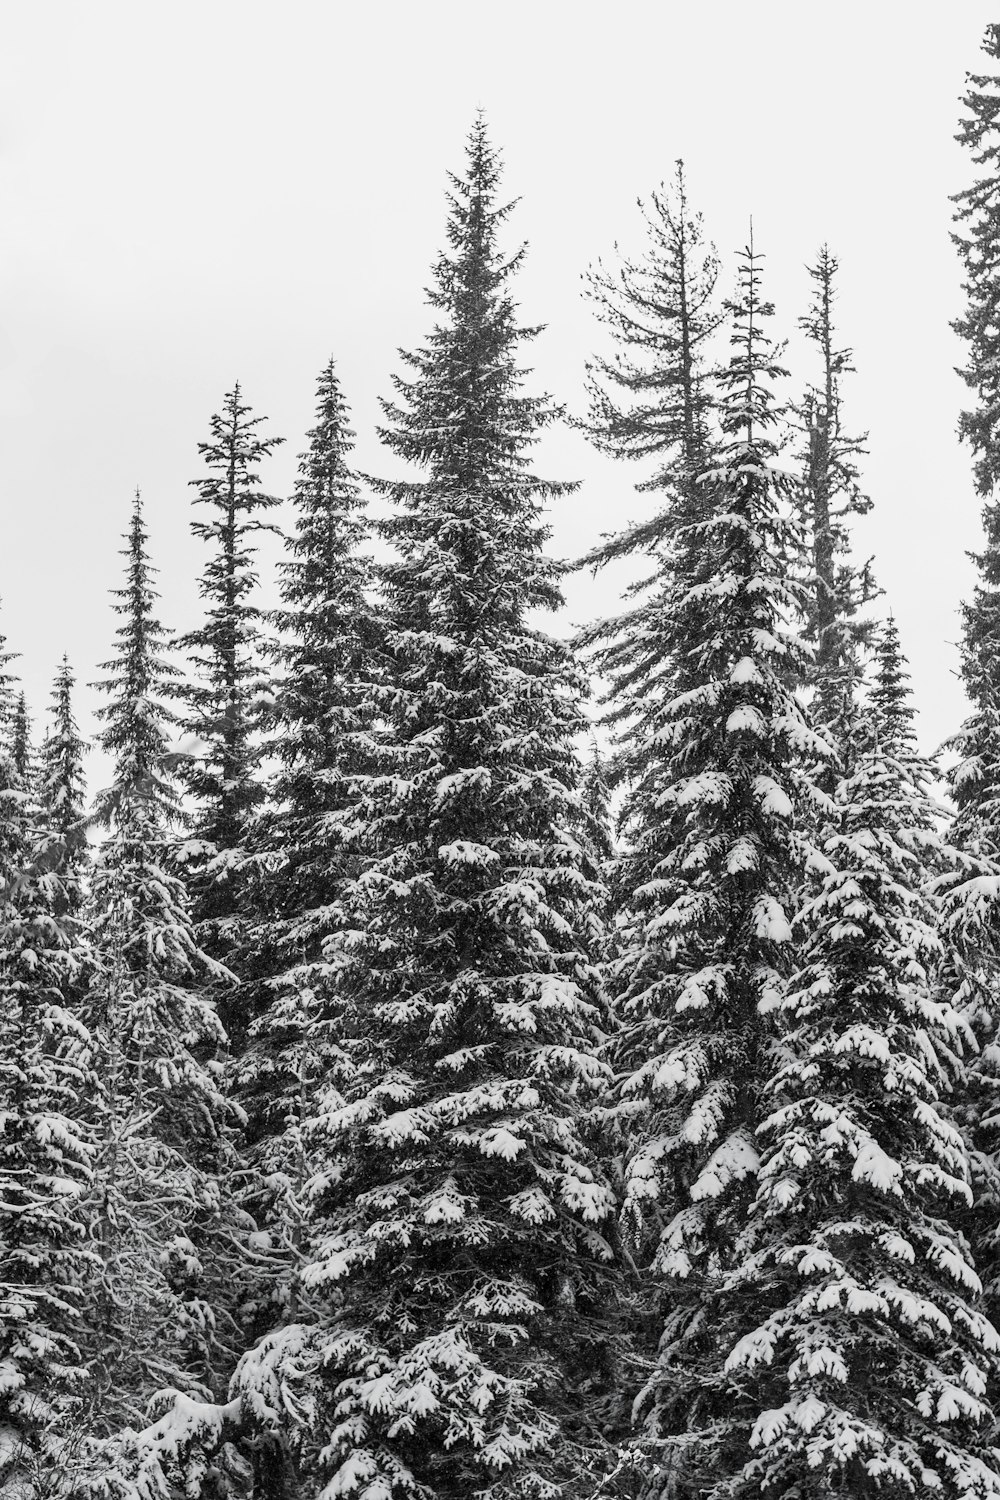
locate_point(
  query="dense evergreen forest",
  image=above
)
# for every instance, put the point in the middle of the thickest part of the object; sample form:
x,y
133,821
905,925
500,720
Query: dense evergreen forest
x,y
450,1062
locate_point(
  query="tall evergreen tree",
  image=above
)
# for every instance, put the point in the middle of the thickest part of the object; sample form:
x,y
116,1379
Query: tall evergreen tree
x,y
62,781
651,398
328,636
458,1275
45,1148
225,653
830,494
856,1355
660,311
21,749
975,781
160,1200
711,866
970,904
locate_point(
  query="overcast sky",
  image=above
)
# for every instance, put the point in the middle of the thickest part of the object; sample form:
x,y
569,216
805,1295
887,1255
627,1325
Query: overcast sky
x,y
195,193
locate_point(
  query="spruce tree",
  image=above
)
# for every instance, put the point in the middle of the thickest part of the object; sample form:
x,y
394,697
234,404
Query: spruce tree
x,y
225,653
458,1272
711,866
651,398
45,1147
831,493
969,904
161,1309
21,748
856,1355
975,781
62,780
328,635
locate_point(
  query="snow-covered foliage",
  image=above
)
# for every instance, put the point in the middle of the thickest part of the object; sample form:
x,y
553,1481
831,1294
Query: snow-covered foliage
x,y
62,782
458,1270
159,1201
226,684
318,724
713,862
852,1352
46,1150
831,492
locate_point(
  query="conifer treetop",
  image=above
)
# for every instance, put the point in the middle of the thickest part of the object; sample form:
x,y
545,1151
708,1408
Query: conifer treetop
x,y
747,410
659,311
977,215
456,1208
137,718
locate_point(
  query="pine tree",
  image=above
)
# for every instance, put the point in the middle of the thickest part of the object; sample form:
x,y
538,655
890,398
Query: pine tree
x,y
830,494
969,901
224,700
661,314
458,1274
161,1313
856,1355
45,1149
711,867
62,781
652,397
597,801
975,781
328,638
21,749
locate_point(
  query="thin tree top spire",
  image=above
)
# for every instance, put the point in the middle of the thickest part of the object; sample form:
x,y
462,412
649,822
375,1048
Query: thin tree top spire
x,y
747,406
139,677
977,217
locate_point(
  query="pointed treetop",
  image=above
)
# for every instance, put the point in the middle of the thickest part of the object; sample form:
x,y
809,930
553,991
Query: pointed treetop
x,y
891,707
661,313
747,407
135,718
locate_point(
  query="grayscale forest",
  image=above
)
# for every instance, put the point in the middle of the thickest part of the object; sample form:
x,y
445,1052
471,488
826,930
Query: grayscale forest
x,y
452,1061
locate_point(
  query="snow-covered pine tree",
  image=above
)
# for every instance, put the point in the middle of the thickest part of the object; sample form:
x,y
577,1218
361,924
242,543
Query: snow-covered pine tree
x,y
831,492
597,801
852,1355
161,1306
62,781
45,1150
711,867
661,314
459,1275
225,653
970,904
21,748
328,636
975,780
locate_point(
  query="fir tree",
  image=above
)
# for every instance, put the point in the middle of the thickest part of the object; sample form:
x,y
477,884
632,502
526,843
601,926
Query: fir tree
x,y
21,748
830,494
224,700
711,867
970,902
62,781
975,781
328,637
458,1271
597,801
159,1315
45,1149
858,1355
651,398
651,401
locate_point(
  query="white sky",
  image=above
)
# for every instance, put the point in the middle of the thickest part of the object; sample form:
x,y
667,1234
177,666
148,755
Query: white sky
x,y
194,193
